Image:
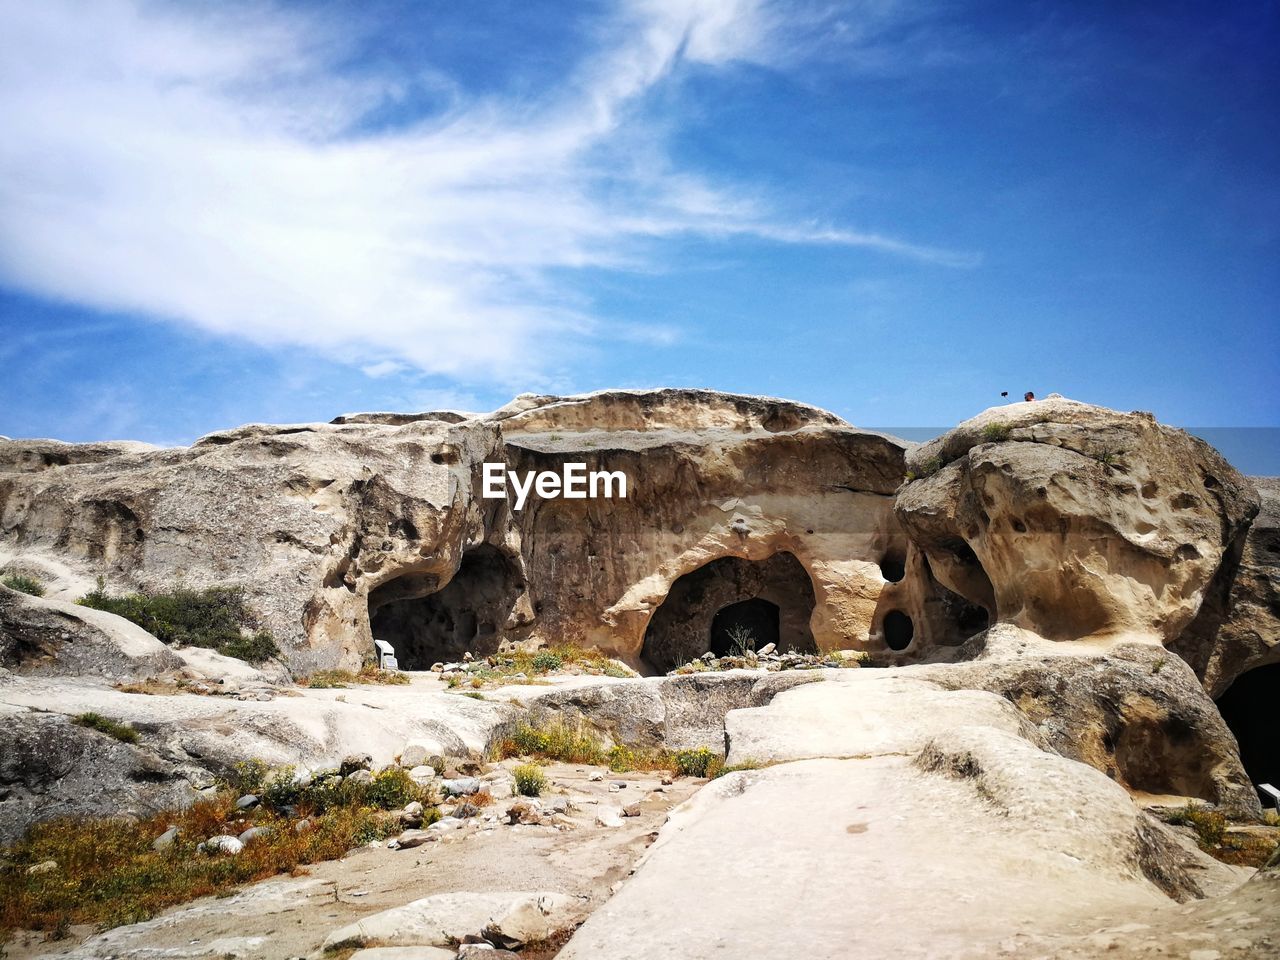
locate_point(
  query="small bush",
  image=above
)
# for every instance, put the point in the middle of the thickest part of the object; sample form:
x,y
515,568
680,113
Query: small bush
x,y
1106,455
112,728
257,648
248,776
718,767
23,584
743,639
694,763
545,661
392,788
371,674
996,432
280,788
1210,826
927,469
530,780
215,617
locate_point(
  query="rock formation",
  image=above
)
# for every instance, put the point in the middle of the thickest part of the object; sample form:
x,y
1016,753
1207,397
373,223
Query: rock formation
x,y
750,518
1076,522
1034,614
331,526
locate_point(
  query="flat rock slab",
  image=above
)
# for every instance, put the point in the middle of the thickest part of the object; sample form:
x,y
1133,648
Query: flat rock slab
x,y
859,713
877,858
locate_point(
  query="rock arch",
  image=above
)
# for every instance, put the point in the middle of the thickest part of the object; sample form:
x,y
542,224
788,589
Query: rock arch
x,y
732,592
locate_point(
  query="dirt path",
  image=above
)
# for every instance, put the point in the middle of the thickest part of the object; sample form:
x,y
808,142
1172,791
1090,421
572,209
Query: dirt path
x,y
289,917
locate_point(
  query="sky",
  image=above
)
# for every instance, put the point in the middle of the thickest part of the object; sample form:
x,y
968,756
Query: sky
x,y
221,213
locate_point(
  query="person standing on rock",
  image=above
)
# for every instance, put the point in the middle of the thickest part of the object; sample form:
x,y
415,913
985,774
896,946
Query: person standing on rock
x,y
1028,396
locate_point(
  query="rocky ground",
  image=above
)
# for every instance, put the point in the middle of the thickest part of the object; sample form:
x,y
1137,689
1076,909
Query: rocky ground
x,y
576,857
999,653
879,814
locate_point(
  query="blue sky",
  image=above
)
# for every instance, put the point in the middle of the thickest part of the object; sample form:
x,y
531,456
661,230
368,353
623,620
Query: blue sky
x,y
219,213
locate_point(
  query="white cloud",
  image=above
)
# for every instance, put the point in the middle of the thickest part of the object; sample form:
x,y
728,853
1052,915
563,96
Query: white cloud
x,y
383,368
199,165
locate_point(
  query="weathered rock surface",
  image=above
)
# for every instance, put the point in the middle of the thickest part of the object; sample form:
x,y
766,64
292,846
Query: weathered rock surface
x,y
1238,628
1076,522
1137,714
673,713
511,918
51,767
328,525
943,792
55,637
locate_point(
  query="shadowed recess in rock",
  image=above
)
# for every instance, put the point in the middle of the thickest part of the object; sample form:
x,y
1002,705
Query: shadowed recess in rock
x,y
468,614
731,604
1249,708
898,630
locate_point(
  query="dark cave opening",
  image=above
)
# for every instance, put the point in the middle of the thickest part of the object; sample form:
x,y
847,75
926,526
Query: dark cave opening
x,y
746,624
772,598
898,630
1249,708
427,625
893,567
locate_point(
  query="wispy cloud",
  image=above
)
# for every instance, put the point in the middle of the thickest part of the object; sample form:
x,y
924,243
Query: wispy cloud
x,y
210,169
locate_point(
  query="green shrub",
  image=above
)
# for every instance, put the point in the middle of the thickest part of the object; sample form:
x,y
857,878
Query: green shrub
x,y
112,728
996,432
719,769
280,788
391,789
694,763
248,776
252,649
927,469
215,617
23,584
545,662
530,781
1107,455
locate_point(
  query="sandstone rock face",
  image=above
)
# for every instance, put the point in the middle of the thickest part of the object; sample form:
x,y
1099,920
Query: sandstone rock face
x,y
742,514
376,524
1075,522
1238,628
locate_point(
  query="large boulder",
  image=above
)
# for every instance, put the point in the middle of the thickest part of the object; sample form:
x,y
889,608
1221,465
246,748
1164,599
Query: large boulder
x,y
1075,522
1136,713
55,637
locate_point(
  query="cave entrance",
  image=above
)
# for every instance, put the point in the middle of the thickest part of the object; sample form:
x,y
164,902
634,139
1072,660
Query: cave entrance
x,y
427,624
1249,708
754,601
747,624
